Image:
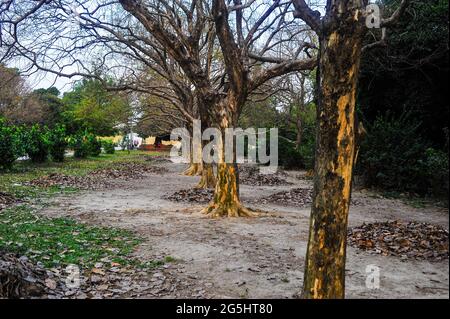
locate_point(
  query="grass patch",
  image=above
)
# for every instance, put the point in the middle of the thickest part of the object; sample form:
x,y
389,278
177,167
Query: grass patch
x,y
170,259
24,171
62,241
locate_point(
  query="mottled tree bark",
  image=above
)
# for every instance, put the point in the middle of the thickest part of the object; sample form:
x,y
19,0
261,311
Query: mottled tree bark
x,y
226,202
194,169
340,51
207,180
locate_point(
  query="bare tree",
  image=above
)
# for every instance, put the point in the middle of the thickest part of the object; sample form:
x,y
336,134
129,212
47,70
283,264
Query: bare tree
x,y
297,94
227,52
222,101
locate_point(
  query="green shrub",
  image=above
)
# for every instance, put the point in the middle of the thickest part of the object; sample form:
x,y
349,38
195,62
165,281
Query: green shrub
x,y
395,157
288,156
36,143
94,145
58,143
436,172
108,147
79,145
10,144
85,144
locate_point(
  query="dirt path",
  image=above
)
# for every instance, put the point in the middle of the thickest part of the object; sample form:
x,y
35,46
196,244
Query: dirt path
x,y
250,258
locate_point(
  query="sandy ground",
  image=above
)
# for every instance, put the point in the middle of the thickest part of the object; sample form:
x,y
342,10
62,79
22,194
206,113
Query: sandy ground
x,y
259,257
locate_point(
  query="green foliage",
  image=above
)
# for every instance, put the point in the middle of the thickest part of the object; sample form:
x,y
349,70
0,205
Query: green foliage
x,y
411,71
53,105
436,172
14,181
395,157
307,151
108,146
79,145
61,241
302,155
36,143
58,143
10,144
89,106
94,145
85,144
288,155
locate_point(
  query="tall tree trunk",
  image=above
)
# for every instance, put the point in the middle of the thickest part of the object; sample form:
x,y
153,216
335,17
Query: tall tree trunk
x,y
193,169
340,50
202,169
207,180
226,202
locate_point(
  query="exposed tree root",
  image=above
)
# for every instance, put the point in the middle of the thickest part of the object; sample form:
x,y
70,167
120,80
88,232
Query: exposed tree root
x,y
216,210
194,169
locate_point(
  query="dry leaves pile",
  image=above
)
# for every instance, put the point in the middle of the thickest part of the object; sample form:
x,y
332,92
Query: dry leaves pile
x,y
100,178
111,280
298,197
61,180
127,171
192,195
251,176
19,278
414,240
6,200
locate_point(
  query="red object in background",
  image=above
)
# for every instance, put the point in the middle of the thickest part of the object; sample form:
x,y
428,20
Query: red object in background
x,y
153,147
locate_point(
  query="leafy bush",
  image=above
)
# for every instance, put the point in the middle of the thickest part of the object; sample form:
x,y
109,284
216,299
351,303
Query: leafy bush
x,y
79,145
85,144
58,143
10,145
36,143
94,145
288,156
108,147
436,172
395,157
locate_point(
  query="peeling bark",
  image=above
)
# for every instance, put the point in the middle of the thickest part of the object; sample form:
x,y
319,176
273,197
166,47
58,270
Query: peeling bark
x,y
226,201
194,169
340,51
208,180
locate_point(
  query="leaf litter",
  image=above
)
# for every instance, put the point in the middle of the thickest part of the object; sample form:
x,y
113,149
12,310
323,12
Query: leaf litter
x,y
407,240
